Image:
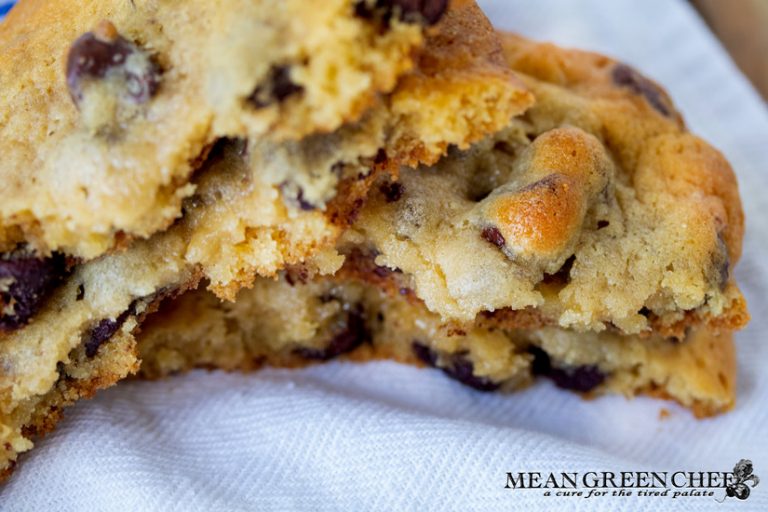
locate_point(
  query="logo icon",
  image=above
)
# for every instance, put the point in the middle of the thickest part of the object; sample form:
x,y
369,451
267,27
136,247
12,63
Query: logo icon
x,y
742,473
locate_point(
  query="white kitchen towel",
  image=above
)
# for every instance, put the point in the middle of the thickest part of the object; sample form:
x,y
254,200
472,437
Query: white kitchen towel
x,y
382,436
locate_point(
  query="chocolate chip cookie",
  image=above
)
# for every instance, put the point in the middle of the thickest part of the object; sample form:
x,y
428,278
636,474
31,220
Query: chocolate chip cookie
x,y
590,242
362,313
596,210
257,205
109,106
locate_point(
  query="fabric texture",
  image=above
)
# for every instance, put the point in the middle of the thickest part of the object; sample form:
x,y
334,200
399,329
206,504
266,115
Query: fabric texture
x,y
382,436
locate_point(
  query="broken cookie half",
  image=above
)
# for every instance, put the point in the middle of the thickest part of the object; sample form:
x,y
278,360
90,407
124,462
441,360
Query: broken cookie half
x,y
591,242
256,204
361,314
111,106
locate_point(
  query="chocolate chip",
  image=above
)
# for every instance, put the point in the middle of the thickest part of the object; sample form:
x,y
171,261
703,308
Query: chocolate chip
x,y
365,10
603,224
625,76
95,55
381,157
80,293
505,147
381,271
25,281
430,10
304,205
275,88
425,354
102,332
458,367
392,191
462,370
582,378
493,235
107,327
282,86
427,12
338,169
293,194
352,335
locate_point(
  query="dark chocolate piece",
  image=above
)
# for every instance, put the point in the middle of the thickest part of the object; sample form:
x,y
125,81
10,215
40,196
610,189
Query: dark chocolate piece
x,y
104,330
493,235
458,367
625,76
94,56
582,378
25,281
353,334
275,88
392,191
427,12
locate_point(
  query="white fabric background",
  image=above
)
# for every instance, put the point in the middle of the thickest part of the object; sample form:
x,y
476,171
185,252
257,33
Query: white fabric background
x,y
388,437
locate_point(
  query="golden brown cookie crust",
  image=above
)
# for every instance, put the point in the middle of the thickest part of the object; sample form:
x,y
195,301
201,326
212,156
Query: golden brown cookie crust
x,y
593,210
196,331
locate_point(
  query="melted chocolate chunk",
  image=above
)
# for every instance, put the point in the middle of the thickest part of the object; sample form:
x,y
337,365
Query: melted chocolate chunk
x,y
275,88
458,367
25,281
463,370
381,271
427,12
381,157
93,56
425,354
392,191
102,332
625,76
107,327
304,205
576,378
493,235
351,336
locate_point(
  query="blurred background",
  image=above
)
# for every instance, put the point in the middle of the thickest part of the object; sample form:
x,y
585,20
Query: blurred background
x,y
742,26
